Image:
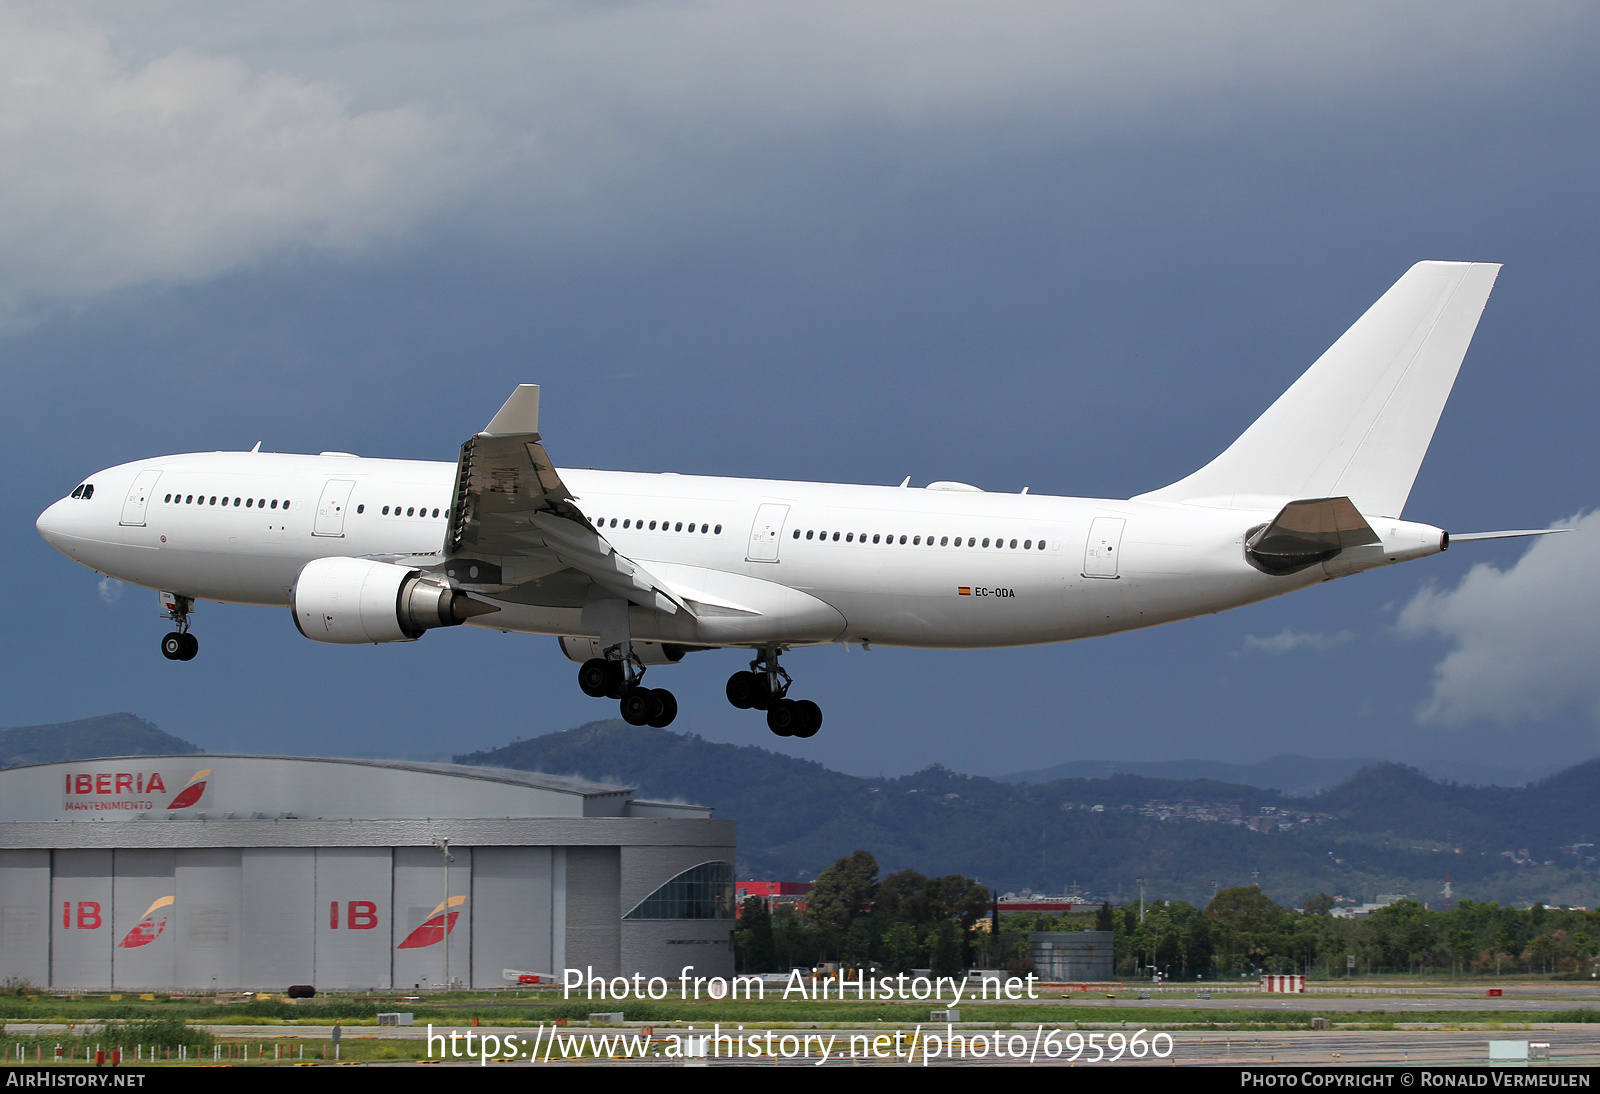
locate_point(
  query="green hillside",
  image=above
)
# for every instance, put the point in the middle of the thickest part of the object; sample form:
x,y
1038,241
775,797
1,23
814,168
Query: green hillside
x,y
1385,829
108,735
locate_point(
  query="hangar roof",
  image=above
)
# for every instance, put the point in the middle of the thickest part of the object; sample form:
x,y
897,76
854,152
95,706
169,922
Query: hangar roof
x,y
231,786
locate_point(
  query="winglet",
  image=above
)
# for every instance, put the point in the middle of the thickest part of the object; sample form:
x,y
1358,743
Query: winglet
x,y
520,414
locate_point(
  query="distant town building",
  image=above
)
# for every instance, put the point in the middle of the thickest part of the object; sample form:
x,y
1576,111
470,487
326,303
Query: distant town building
x,y
1361,911
773,893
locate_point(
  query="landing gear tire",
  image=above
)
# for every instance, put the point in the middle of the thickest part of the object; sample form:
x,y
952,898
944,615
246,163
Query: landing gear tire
x,y
668,704
810,718
639,705
743,689
191,646
172,646
784,717
600,679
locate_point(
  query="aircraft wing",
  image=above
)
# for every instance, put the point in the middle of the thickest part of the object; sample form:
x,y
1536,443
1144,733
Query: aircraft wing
x,y
512,511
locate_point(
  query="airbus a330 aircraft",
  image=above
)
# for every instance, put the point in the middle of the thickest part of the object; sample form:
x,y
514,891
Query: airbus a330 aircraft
x,y
637,570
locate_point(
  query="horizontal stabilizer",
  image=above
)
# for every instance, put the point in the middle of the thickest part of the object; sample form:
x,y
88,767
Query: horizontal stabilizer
x,y
1305,533
1358,422
1472,537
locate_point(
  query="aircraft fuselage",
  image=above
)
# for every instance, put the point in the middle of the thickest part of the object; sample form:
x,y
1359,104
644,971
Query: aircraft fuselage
x,y
766,562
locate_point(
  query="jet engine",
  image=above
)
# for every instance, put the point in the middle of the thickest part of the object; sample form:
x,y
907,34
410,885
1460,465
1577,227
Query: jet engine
x,y
354,601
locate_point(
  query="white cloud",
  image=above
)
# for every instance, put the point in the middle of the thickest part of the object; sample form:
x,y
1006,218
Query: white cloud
x,y
167,142
797,65
1526,639
178,167
110,590
1288,640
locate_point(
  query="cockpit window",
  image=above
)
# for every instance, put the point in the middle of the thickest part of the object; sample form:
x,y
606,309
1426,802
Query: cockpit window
x,y
84,492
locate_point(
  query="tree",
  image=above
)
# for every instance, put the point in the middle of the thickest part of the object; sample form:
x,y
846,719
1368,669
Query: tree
x,y
1321,904
1245,921
843,891
901,949
944,949
905,897
1103,920
756,949
860,942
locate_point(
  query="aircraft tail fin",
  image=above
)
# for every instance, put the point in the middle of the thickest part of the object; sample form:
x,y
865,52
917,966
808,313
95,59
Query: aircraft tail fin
x,y
1358,422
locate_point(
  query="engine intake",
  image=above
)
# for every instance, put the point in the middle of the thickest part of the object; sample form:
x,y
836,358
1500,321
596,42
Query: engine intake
x,y
353,601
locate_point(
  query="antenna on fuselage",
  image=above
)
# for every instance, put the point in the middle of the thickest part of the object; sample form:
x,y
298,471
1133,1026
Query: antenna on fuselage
x,y
906,483
257,448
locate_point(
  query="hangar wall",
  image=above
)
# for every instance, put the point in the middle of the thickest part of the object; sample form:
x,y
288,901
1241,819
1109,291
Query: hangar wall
x,y
217,889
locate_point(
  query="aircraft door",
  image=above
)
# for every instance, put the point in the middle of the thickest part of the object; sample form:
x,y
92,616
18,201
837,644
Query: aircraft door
x,y
1104,550
767,532
138,499
331,506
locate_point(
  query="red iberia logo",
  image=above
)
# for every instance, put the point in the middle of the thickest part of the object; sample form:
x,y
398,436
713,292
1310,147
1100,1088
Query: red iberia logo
x,y
438,924
191,791
150,926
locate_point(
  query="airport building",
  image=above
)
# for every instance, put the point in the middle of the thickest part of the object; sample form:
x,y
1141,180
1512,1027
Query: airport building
x,y
1073,956
184,873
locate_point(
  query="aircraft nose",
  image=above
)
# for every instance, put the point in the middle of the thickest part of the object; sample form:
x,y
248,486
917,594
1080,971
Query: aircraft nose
x,y
52,524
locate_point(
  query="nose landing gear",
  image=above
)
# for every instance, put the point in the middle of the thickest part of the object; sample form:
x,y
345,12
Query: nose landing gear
x,y
178,645
766,687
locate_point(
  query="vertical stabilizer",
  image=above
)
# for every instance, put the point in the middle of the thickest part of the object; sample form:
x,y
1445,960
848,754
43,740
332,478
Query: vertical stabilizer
x,y
1359,421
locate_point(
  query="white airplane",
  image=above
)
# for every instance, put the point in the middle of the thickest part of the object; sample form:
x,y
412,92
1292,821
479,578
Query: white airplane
x,y
635,570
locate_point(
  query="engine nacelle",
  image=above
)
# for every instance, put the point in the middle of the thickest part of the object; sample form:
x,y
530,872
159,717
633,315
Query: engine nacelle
x,y
353,601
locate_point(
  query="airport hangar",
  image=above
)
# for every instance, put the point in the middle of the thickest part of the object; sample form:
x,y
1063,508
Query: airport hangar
x,y
194,873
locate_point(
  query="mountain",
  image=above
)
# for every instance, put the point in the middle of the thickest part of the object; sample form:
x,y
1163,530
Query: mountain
x,y
1299,775
1386,828
108,735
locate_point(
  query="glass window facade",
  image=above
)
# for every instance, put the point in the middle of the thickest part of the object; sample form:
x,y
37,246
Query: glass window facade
x,y
701,892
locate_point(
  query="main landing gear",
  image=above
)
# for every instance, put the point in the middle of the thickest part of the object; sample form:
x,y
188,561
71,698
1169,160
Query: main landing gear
x,y
603,678
178,645
766,687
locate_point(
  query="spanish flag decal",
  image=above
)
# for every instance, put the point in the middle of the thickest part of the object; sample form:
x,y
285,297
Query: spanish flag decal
x,y
435,927
964,590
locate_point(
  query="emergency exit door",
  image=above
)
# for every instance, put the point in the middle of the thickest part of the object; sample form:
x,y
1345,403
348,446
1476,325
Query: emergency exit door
x,y
331,507
1103,552
138,499
766,532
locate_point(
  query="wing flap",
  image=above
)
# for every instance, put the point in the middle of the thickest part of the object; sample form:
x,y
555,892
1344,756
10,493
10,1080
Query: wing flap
x,y
510,503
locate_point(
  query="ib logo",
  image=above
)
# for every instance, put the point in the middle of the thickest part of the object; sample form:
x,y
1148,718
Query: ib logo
x,y
150,925
439,923
192,790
